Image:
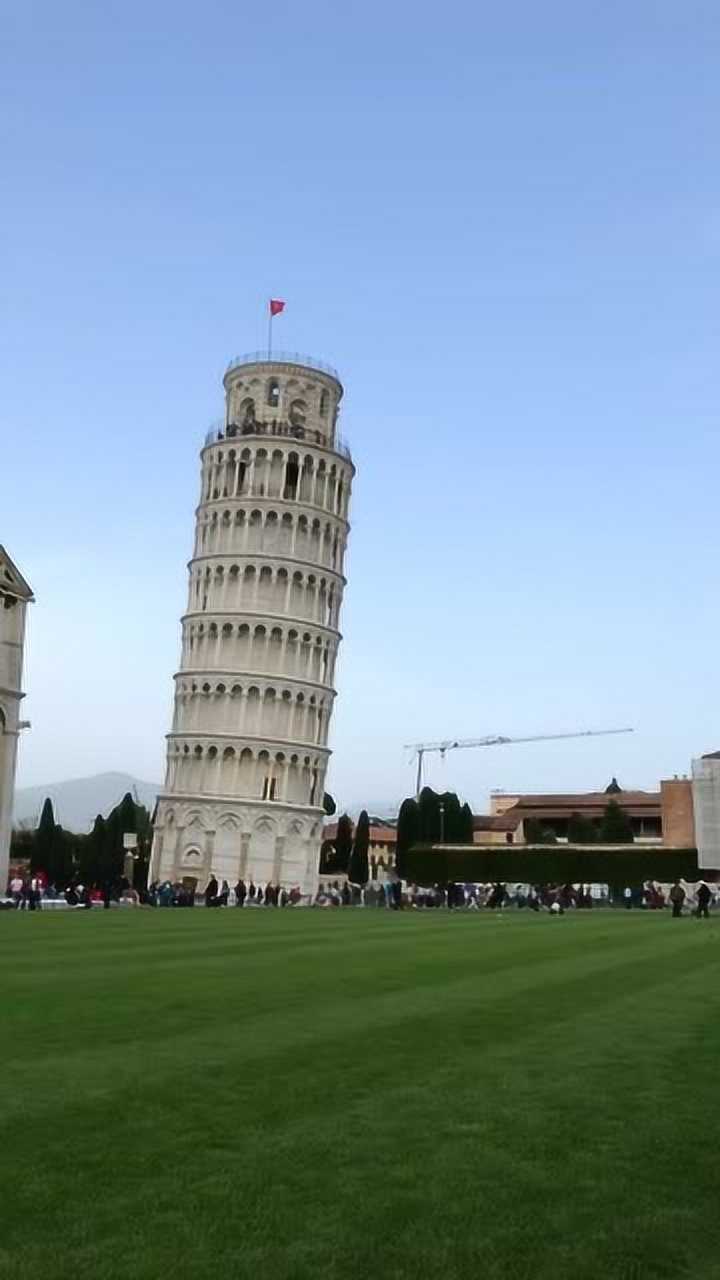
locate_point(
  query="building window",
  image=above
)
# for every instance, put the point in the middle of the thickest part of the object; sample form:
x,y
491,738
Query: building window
x,y
273,393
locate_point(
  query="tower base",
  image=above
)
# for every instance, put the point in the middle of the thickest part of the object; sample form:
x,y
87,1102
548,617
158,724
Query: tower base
x,y
195,837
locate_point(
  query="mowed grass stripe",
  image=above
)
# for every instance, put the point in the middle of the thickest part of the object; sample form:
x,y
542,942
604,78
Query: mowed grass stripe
x,y
455,1096
474,985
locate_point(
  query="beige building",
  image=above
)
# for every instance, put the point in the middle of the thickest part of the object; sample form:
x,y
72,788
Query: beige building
x,y
15,595
382,847
248,749
663,817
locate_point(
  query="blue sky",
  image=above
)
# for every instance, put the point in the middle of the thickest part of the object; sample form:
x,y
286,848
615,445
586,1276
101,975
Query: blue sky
x,y
502,224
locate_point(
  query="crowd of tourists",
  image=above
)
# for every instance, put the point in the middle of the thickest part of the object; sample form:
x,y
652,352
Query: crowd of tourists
x,y
32,893
221,894
35,893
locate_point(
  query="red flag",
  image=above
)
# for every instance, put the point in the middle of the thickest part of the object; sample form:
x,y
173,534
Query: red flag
x,y
276,306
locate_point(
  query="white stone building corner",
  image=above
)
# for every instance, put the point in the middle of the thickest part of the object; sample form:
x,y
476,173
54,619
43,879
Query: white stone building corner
x,y
15,595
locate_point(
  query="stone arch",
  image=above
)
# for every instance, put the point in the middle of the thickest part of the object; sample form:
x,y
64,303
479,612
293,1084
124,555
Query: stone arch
x,y
195,818
227,770
246,412
253,709
297,413
292,476
307,479
229,822
192,858
246,765
265,592
271,533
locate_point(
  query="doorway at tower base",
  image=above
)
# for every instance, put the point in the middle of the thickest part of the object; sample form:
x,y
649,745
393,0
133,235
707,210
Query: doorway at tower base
x,y
194,839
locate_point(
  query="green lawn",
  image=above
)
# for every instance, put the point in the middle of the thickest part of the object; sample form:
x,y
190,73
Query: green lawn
x,y
292,1095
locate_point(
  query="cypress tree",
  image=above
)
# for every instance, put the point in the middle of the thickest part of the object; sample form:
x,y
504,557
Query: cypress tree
x,y
44,845
125,817
466,817
429,815
452,824
616,827
92,864
343,843
581,830
358,870
64,858
408,828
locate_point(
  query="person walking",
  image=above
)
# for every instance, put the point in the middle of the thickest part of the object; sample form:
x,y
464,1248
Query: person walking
x,y
677,897
16,891
703,897
240,892
627,896
211,891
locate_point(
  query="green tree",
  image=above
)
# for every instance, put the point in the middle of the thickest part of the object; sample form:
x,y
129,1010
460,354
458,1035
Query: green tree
x,y
536,833
329,805
44,853
408,829
92,862
343,843
581,830
358,870
467,828
451,827
126,818
429,816
616,827
420,821
64,859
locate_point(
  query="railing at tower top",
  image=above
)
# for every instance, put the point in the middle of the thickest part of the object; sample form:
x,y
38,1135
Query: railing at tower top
x,y
283,357
222,432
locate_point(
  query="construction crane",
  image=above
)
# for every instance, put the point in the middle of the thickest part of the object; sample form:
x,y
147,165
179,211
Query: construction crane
x,y
420,749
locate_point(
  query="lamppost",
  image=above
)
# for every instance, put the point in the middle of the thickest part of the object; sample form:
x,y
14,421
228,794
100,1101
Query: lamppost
x,y
130,844
442,822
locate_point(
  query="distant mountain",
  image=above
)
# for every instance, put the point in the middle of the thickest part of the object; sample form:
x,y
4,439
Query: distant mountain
x,y
78,801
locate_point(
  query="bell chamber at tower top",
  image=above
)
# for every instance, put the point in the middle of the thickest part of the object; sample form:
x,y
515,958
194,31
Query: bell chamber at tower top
x,y
281,395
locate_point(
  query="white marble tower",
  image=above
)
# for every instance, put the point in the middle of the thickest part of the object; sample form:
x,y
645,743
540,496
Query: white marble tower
x,y
15,595
247,753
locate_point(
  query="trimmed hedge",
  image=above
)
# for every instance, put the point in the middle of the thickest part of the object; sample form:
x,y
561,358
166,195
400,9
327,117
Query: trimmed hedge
x,y
548,864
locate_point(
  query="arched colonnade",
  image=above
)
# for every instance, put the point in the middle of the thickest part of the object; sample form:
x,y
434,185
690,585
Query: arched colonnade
x,y
250,773
244,710
258,471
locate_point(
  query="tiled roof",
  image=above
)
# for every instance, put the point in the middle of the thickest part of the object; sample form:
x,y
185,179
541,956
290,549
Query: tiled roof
x,y
378,835
587,800
637,804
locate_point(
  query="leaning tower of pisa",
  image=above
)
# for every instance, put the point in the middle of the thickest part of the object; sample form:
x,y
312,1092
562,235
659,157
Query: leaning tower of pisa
x,y
247,752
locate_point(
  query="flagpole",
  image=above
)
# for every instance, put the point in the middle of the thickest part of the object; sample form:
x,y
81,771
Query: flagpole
x,y
270,320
